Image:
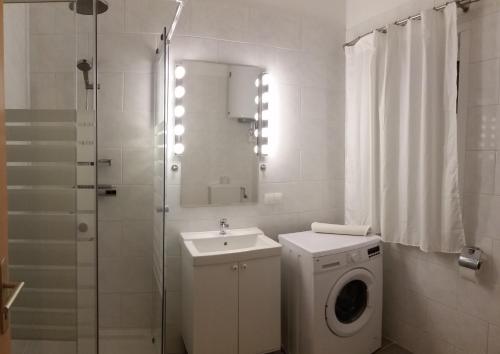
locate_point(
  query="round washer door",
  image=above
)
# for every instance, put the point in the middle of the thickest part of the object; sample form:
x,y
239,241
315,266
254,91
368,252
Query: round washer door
x,y
349,305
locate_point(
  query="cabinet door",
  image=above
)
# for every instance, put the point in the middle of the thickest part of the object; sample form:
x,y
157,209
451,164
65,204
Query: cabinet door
x,y
215,309
259,306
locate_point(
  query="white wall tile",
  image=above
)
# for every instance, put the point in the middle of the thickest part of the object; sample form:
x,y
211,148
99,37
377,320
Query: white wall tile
x,y
113,20
137,239
42,89
312,166
284,65
485,38
138,94
483,126
52,53
274,28
137,166
137,202
494,339
484,84
135,129
65,93
129,52
110,275
238,53
480,301
136,310
480,172
192,48
149,16
222,20
110,239
110,174
51,19
110,93
109,310
480,216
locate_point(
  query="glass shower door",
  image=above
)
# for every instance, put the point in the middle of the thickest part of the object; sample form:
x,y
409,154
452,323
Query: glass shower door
x,y
51,179
158,303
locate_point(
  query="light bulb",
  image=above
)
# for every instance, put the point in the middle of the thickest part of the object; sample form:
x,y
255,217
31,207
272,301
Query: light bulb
x,y
179,72
179,129
256,149
265,97
179,148
256,116
265,132
257,83
265,79
179,111
256,99
265,149
179,92
256,133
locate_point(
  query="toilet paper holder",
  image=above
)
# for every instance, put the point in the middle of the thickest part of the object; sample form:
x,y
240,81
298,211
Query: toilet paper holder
x,y
471,257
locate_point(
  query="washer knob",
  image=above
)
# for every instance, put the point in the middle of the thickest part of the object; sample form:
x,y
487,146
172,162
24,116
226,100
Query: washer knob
x,y
355,257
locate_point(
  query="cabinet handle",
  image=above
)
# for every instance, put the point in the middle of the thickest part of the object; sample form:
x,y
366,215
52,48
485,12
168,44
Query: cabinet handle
x,y
235,267
244,266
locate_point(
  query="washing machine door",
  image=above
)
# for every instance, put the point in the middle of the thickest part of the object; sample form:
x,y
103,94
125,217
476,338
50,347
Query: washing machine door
x,y
349,305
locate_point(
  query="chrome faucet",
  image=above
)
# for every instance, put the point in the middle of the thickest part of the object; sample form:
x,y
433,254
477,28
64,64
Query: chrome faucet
x,y
223,226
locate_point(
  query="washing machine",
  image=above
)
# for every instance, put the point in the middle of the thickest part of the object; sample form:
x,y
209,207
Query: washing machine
x,y
332,293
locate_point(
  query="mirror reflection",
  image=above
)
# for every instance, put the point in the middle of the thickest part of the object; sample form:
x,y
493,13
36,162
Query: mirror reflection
x,y
216,107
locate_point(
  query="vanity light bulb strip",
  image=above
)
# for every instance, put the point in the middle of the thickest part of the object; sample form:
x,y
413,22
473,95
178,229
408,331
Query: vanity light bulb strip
x,y
262,100
179,109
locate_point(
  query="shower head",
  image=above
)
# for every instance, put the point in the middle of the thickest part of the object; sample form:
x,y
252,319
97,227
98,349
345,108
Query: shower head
x,y
86,7
84,66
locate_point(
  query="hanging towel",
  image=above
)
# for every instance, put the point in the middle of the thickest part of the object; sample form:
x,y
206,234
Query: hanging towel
x,y
353,230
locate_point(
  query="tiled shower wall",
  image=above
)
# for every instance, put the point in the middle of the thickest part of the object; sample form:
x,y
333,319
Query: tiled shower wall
x,y
305,57
428,307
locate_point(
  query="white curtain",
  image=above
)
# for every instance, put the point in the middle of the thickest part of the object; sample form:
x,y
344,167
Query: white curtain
x,y
401,133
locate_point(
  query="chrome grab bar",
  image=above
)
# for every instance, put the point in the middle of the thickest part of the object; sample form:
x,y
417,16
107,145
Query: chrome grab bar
x,y
104,162
106,190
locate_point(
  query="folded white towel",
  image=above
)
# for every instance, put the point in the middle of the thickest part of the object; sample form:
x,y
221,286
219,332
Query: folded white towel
x,y
354,230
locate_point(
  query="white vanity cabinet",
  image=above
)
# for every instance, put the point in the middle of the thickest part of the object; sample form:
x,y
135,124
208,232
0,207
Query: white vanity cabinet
x,y
231,307
259,306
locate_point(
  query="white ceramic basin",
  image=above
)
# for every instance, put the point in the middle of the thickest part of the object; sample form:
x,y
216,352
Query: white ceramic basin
x,y
239,244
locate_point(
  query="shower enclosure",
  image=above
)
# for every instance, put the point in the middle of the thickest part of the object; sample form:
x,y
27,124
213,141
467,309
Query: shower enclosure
x,y
85,115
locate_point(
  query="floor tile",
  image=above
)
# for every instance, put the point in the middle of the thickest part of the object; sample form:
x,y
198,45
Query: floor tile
x,y
393,349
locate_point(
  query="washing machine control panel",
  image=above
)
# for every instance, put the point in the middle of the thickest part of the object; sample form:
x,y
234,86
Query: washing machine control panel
x,y
339,260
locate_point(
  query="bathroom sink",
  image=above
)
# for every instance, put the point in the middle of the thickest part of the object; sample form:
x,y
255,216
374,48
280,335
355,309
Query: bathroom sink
x,y
237,245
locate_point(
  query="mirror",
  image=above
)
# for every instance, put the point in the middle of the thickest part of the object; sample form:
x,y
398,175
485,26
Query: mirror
x,y
216,128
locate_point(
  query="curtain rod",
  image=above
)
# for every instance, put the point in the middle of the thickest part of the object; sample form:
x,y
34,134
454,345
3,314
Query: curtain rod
x,y
462,4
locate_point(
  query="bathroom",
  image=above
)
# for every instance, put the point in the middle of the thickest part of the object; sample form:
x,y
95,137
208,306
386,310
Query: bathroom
x,y
110,193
